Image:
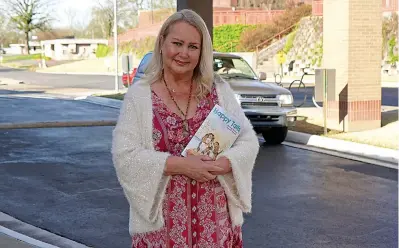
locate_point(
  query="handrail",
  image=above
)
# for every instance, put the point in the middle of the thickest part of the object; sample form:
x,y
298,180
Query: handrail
x,y
271,38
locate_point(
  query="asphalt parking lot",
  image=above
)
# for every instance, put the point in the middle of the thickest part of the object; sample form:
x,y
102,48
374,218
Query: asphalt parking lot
x,y
62,180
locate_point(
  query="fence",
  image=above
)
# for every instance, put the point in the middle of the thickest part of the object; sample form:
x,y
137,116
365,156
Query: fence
x,y
247,17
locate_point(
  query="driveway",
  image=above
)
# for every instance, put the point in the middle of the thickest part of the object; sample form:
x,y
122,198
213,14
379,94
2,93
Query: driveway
x,y
60,80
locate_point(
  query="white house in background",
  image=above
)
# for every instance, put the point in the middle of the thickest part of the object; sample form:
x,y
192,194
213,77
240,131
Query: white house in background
x,y
71,49
19,48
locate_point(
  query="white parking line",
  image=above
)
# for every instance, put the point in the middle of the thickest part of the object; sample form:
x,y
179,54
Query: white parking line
x,y
25,238
19,226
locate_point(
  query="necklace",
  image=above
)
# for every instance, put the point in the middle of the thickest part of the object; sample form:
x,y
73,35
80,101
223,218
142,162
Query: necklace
x,y
186,131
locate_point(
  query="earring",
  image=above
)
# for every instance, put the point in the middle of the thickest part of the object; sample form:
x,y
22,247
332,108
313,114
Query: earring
x,y
160,51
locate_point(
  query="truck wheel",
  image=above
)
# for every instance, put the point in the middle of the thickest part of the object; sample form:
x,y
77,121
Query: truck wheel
x,y
275,135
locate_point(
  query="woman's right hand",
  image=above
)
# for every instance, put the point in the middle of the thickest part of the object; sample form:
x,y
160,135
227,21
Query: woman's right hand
x,y
196,168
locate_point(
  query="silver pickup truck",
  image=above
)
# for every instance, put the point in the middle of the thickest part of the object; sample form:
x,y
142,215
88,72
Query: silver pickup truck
x,y
268,106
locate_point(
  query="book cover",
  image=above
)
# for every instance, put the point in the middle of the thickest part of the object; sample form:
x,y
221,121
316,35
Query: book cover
x,y
217,133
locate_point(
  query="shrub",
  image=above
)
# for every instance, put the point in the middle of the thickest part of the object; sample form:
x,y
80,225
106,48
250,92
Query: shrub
x,y
251,38
392,56
389,30
226,37
102,51
290,41
138,47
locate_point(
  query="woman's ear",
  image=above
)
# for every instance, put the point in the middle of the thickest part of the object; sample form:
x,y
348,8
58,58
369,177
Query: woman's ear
x,y
161,41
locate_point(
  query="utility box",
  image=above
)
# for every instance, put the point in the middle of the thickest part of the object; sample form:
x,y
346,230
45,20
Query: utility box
x,y
127,63
324,83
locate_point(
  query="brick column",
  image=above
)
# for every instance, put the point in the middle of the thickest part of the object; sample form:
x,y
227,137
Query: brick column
x,y
204,8
352,43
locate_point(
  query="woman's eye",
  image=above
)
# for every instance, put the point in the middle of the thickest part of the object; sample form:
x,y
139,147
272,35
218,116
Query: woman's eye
x,y
193,47
177,43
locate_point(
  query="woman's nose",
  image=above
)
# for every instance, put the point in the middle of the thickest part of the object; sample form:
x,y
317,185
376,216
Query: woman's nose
x,y
184,51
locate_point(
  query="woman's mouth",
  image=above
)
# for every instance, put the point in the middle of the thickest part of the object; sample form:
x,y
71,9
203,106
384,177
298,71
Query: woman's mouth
x,y
181,63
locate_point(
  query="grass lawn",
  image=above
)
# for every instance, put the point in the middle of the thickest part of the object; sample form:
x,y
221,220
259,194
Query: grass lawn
x,y
303,126
20,57
17,65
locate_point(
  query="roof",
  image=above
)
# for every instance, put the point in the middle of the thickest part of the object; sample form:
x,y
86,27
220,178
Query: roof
x,y
76,41
31,43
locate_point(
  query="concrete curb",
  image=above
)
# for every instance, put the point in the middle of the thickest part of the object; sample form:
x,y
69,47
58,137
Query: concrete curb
x,y
57,124
10,81
370,152
29,234
108,102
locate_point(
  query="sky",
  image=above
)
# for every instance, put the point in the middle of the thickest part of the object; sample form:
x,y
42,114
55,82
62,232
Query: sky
x,y
82,8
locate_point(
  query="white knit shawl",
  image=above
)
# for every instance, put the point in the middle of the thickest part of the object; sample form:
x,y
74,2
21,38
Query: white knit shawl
x,y
140,168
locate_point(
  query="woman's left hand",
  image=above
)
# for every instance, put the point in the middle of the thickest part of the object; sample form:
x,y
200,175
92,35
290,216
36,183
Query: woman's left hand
x,y
223,163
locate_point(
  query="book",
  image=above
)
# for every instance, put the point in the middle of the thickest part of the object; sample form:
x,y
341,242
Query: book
x,y
217,133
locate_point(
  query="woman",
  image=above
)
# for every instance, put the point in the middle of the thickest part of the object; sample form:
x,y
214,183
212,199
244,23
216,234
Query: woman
x,y
177,201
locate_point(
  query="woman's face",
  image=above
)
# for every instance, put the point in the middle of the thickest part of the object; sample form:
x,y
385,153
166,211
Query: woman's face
x,y
208,139
181,48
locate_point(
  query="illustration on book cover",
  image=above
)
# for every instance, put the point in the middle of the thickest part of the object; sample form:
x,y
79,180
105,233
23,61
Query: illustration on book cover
x,y
217,133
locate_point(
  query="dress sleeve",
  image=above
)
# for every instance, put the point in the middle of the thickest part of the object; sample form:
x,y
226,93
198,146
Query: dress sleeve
x,y
139,169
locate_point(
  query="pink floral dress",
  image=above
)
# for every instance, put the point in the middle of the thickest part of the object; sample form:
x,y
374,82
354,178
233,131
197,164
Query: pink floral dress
x,y
196,214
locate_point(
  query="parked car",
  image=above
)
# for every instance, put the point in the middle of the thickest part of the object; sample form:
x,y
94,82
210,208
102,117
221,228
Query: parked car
x,y
268,106
128,77
138,72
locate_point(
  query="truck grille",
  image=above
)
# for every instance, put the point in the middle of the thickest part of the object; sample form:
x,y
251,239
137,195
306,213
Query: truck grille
x,y
263,118
254,96
265,104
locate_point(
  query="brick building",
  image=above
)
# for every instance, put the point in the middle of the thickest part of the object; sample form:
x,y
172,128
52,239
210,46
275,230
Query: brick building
x,y
388,6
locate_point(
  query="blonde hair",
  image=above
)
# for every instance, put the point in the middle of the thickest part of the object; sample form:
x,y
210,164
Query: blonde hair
x,y
203,72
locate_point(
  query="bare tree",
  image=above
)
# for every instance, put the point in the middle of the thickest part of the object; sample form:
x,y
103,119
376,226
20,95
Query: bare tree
x,y
29,15
71,14
163,4
3,28
103,15
8,34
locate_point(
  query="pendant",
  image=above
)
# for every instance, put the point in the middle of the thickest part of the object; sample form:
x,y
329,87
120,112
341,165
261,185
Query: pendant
x,y
186,131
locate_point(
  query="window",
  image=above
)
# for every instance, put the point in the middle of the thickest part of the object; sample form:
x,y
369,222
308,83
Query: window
x,y
232,67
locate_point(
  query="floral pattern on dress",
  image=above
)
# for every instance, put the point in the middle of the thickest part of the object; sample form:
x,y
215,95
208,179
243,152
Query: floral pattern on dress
x,y
196,214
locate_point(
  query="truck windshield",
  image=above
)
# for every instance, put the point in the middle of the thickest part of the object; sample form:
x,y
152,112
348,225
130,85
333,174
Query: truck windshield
x,y
232,68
